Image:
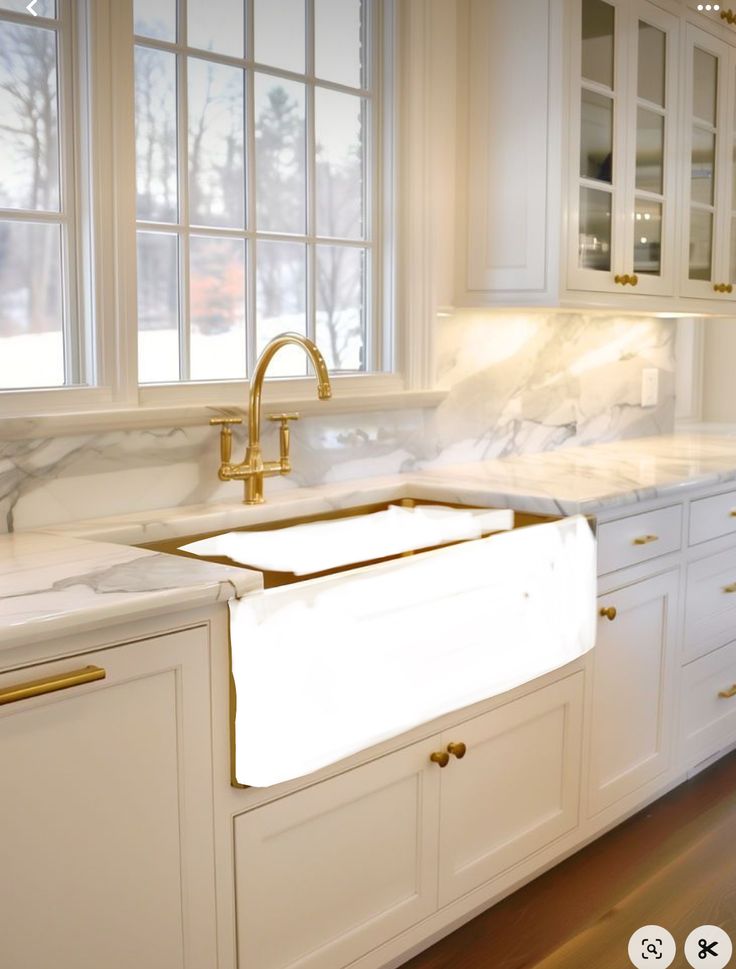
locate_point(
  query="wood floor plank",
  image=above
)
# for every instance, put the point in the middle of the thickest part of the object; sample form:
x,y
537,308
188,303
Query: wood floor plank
x,y
673,864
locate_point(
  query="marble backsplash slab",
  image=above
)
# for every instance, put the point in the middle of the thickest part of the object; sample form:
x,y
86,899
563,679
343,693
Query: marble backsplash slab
x,y
517,383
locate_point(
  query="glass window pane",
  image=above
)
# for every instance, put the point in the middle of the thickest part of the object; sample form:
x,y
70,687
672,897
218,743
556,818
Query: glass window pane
x,y
155,18
278,33
649,151
701,244
216,25
158,307
280,154
598,42
340,300
652,63
703,162
31,316
216,172
155,128
217,298
44,8
339,164
596,137
281,302
595,229
29,119
648,237
705,85
338,41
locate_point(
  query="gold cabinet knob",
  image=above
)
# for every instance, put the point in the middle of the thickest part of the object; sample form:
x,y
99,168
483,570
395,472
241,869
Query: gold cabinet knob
x,y
727,694
457,750
723,287
622,280
634,280
440,757
730,588
609,613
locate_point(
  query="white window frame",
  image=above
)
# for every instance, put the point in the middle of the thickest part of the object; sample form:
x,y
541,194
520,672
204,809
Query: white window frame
x,y
104,176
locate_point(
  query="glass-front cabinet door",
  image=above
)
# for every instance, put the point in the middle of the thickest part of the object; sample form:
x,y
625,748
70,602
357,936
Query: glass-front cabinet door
x,y
708,187
623,170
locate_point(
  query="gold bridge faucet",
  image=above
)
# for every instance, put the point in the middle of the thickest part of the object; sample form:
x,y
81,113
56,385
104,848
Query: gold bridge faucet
x,y
253,468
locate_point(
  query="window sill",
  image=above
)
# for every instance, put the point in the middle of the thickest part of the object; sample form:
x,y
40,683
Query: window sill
x,y
159,415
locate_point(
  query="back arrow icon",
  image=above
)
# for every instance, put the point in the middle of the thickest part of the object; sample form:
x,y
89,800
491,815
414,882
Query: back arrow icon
x,y
30,7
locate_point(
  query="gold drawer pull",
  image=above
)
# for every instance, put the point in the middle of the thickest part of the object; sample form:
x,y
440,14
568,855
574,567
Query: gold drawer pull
x,y
609,613
50,684
727,694
440,757
646,539
730,588
457,750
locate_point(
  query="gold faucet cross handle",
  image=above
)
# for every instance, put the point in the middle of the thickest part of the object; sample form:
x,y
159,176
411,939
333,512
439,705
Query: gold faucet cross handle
x,y
284,438
226,435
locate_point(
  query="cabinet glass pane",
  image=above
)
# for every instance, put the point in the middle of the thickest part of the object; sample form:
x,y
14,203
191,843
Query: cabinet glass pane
x,y
596,136
703,162
705,85
598,42
595,229
649,151
652,63
701,244
648,237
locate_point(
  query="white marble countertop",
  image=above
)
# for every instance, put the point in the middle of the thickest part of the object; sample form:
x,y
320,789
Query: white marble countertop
x,y
85,575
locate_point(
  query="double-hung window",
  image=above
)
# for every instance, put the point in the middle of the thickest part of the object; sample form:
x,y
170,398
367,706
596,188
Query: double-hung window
x,y
256,134
41,336
181,181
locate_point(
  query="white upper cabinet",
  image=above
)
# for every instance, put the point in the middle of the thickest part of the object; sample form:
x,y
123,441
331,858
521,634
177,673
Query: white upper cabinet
x,y
597,156
622,171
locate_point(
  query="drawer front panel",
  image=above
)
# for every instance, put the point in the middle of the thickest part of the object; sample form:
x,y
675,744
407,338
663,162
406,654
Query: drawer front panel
x,y
638,538
709,716
710,617
713,517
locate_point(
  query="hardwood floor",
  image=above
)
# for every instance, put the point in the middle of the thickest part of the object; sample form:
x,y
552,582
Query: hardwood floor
x,y
673,864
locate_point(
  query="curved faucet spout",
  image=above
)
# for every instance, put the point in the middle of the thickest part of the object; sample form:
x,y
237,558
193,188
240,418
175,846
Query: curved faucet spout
x,y
324,389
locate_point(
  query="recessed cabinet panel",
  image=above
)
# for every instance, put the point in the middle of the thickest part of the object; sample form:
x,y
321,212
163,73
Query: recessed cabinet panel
x,y
516,788
598,42
631,707
331,871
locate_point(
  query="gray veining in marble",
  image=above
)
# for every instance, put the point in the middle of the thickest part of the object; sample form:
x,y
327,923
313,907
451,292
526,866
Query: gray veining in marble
x,y
518,383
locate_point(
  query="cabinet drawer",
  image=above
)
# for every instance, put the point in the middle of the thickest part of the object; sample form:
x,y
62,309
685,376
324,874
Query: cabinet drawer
x,y
713,517
637,538
709,719
710,611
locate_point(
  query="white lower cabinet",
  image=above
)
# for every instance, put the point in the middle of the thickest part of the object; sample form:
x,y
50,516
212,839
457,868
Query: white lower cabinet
x,y
330,872
709,704
106,846
515,790
632,703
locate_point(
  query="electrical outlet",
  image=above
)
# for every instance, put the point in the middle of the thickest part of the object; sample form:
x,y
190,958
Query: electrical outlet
x,y
649,387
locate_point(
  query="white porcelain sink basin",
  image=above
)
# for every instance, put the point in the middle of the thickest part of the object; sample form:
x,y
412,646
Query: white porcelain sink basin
x,y
328,667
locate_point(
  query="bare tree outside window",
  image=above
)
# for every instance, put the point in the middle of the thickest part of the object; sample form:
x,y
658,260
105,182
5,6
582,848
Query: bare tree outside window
x,y
248,236
32,223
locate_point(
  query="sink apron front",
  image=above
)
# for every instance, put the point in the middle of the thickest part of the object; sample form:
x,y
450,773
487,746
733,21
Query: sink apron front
x,y
333,665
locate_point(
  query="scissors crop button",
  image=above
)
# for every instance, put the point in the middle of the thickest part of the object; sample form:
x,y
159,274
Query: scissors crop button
x,y
708,945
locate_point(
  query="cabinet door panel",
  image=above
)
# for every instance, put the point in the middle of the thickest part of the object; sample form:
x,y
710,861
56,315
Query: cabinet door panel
x,y
515,790
331,871
632,690
96,815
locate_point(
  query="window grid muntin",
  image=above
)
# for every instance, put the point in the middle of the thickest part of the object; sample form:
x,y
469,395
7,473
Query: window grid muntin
x,y
251,235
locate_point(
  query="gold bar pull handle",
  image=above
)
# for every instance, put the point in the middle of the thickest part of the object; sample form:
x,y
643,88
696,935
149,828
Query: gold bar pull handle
x,y
50,684
646,539
727,694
